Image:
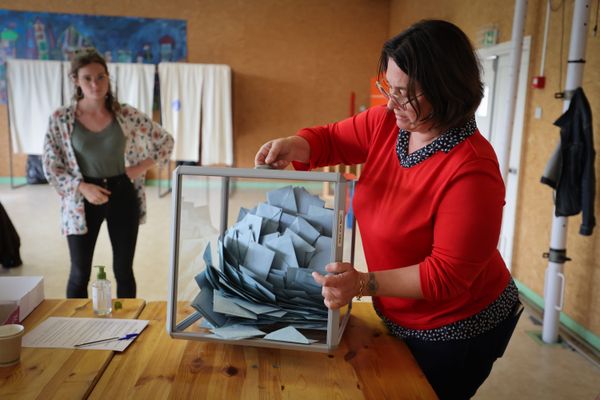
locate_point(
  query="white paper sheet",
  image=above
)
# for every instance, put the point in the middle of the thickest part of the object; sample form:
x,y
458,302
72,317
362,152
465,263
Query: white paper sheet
x,y
62,332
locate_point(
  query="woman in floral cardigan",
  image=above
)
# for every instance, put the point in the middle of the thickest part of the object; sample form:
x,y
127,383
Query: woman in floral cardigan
x,y
96,154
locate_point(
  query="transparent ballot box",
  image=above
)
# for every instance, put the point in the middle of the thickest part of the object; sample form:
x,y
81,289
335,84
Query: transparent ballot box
x,y
244,243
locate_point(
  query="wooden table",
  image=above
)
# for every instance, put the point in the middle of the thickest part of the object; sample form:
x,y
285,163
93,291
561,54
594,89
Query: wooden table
x,y
368,364
60,373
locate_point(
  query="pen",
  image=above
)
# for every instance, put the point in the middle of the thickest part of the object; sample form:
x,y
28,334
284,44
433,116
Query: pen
x,y
126,337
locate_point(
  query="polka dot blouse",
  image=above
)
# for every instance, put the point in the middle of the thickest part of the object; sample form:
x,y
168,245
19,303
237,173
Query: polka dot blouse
x,y
445,142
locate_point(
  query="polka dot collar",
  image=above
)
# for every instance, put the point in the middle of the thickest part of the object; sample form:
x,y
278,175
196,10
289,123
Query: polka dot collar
x,y
445,142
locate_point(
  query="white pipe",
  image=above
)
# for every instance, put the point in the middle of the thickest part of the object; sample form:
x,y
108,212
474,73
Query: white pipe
x,y
546,26
554,290
505,138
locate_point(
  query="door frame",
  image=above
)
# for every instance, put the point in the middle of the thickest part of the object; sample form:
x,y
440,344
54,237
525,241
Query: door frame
x,y
506,241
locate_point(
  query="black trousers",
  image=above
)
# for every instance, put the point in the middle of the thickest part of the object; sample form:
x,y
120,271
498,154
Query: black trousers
x,y
121,213
456,368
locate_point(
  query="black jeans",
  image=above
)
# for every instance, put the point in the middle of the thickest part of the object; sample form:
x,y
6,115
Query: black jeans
x,y
122,217
456,368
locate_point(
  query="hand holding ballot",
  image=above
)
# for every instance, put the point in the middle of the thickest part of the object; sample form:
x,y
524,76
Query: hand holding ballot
x,y
340,285
279,153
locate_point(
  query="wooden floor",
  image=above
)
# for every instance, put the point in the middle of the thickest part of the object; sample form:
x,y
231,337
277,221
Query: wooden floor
x,y
528,370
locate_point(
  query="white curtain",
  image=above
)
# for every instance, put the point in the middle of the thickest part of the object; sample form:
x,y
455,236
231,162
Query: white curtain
x,y
68,88
136,85
217,131
180,100
34,92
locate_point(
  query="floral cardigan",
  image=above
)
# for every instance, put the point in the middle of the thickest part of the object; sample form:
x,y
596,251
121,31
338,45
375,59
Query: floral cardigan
x,y
144,139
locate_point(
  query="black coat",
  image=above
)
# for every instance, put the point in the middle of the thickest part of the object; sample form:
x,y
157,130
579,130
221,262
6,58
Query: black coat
x,y
571,171
9,242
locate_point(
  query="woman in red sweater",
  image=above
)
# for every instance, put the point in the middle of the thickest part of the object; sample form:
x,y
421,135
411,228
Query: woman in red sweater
x,y
429,206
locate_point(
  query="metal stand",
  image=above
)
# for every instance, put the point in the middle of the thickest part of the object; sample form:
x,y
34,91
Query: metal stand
x,y
169,189
555,280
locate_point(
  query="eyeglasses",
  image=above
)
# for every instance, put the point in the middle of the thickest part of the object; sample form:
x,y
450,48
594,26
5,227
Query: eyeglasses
x,y
397,101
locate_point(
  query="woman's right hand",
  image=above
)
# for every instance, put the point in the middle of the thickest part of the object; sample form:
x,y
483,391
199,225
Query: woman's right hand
x,y
94,194
279,153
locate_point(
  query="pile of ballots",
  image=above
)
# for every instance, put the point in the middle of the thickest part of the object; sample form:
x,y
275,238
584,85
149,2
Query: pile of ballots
x,y
262,282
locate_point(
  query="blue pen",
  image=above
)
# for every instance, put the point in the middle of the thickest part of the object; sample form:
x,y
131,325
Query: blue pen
x,y
126,337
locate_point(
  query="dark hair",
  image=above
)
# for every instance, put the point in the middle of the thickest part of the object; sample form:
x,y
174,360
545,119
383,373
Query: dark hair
x,y
87,56
440,57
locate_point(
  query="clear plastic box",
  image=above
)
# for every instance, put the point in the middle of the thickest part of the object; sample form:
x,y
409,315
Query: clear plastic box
x,y
228,218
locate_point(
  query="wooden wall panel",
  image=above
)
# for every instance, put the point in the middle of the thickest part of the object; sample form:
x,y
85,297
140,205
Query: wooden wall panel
x,y
294,63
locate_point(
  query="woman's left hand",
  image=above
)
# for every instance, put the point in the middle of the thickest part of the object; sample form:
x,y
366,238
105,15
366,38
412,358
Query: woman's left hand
x,y
340,285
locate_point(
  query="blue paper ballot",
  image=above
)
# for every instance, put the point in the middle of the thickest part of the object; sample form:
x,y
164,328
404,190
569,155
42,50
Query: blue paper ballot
x,y
322,256
289,334
321,217
268,237
301,247
247,273
299,243
232,245
301,279
205,324
233,289
257,289
305,230
242,214
283,198
285,255
203,304
309,325
304,200
254,307
291,293
220,253
302,300
212,276
237,332
244,237
250,223
266,293
270,215
232,273
207,255
276,314
286,221
224,305
259,259
275,279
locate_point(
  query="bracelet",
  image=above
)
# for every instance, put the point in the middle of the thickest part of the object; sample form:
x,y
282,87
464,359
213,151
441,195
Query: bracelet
x,y
361,287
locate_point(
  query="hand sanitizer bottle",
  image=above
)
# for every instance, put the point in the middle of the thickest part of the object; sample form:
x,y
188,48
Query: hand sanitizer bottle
x,y
101,298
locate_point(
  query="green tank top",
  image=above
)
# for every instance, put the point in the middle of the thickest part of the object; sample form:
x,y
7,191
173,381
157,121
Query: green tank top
x,y
99,154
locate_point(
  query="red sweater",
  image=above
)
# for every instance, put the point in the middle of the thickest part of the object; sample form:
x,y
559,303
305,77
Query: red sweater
x,y
443,214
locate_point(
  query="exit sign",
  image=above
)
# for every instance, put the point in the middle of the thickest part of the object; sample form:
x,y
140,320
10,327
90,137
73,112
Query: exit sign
x,y
489,37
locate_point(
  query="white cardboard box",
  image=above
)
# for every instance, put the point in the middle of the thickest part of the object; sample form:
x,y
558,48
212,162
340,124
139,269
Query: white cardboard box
x,y
24,292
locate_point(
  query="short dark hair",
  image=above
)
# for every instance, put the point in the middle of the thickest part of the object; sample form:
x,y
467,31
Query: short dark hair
x,y
86,56
440,57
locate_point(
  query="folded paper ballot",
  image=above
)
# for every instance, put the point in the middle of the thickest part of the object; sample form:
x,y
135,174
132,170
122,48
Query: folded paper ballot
x,y
263,275
289,334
